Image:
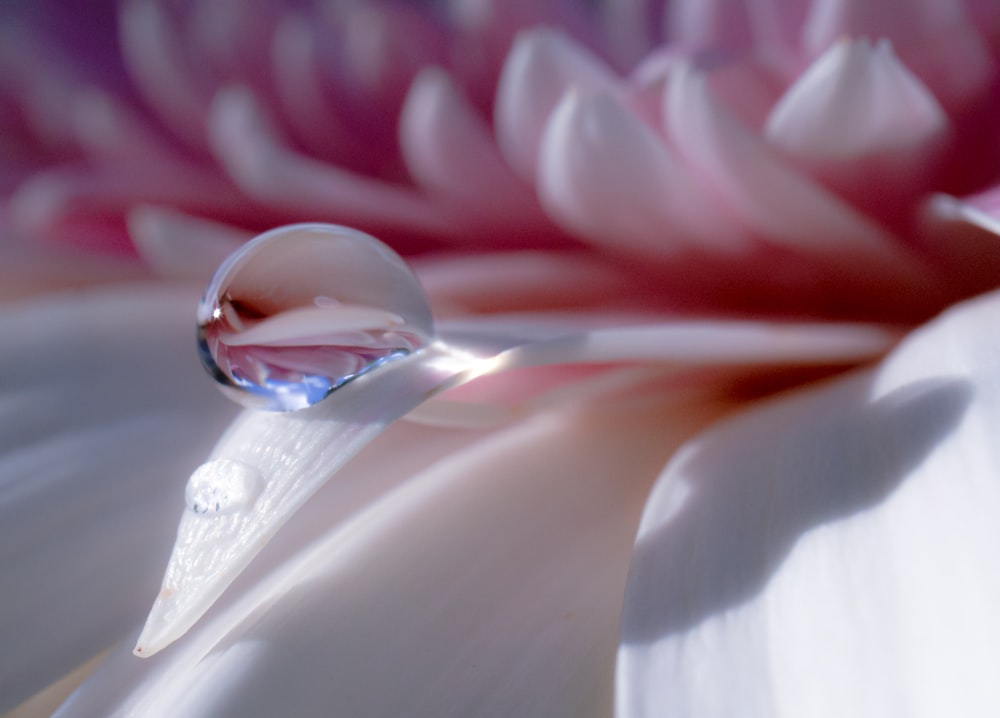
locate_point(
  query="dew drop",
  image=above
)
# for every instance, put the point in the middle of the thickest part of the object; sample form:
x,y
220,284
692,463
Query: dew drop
x,y
224,486
301,310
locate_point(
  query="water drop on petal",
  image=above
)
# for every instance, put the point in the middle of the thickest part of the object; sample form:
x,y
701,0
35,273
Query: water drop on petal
x,y
222,487
301,310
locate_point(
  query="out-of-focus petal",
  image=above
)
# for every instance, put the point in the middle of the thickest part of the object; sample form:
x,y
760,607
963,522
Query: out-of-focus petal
x,y
248,144
302,92
606,176
738,27
520,281
162,68
88,456
487,29
860,120
449,149
55,201
411,625
540,68
179,246
831,553
385,46
933,37
786,208
855,100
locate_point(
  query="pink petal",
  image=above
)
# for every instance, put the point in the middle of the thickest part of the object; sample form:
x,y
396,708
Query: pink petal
x,y
177,245
932,37
487,30
607,177
860,120
763,27
230,34
162,68
784,207
248,144
519,281
108,130
63,194
449,149
385,46
302,92
539,70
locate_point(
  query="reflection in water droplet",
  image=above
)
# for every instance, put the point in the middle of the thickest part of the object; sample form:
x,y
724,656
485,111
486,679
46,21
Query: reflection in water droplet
x,y
222,487
302,310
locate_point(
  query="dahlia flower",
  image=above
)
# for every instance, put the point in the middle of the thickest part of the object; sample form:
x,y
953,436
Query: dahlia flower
x,y
686,408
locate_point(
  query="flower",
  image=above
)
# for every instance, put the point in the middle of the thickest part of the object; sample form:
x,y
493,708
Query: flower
x,y
720,215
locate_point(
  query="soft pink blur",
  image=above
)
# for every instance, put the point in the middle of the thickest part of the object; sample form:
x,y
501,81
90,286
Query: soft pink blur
x,y
779,158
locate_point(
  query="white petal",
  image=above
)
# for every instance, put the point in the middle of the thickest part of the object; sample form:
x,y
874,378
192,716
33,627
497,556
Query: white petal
x,y
177,245
786,208
155,57
855,101
833,552
492,579
290,456
935,38
102,408
704,343
603,174
248,144
540,68
449,149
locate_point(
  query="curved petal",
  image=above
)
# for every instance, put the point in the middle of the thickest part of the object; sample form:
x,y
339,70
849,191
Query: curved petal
x,y
90,454
937,40
276,462
606,176
863,123
832,552
162,69
784,207
492,578
854,101
285,458
449,149
180,246
488,282
248,145
540,68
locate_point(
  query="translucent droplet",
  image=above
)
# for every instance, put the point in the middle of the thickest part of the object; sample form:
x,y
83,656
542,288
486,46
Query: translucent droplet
x,y
301,310
225,486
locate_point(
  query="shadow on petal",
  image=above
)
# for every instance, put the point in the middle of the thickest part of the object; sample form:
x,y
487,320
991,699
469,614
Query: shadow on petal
x,y
745,495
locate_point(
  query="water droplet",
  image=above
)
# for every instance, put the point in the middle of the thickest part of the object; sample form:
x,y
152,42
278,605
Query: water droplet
x,y
224,486
301,310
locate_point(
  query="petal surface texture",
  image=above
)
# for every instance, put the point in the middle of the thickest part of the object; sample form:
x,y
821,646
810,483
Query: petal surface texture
x,y
89,456
269,464
492,577
829,553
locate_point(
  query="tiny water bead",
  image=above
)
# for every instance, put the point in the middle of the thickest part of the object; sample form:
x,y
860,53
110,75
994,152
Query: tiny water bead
x,y
301,310
222,487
